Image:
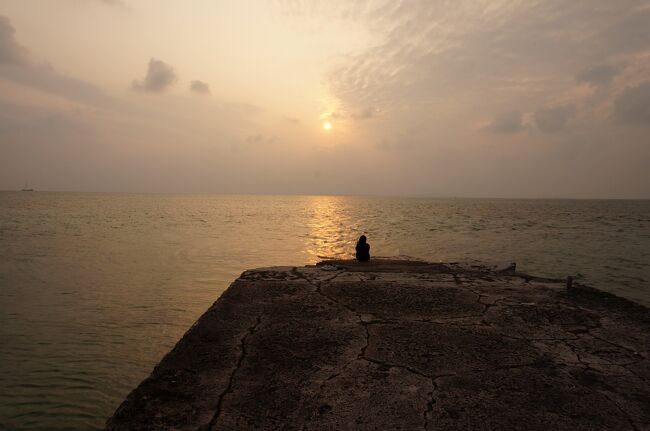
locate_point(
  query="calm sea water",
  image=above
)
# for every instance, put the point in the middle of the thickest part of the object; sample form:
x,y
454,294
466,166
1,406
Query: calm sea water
x,y
96,288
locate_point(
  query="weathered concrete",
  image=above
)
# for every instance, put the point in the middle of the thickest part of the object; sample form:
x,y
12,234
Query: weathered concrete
x,y
402,345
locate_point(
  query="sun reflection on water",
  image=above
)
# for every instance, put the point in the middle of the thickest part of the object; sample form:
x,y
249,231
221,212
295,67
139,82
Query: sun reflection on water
x,y
332,233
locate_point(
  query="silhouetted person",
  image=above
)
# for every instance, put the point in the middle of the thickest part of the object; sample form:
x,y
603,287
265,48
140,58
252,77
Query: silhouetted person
x,y
363,250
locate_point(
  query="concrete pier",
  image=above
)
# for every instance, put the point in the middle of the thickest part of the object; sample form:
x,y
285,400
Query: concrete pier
x,y
402,345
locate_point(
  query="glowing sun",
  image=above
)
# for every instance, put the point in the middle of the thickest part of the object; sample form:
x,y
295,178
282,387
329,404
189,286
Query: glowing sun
x,y
327,125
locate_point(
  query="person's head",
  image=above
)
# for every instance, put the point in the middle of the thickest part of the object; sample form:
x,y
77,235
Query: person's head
x,y
362,239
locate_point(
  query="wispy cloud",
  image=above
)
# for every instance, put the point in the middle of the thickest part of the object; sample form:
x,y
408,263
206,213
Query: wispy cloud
x,y
632,106
554,119
477,58
112,2
292,120
598,75
507,123
10,51
16,66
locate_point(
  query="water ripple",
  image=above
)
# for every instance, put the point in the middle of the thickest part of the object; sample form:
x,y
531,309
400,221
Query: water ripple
x,y
96,288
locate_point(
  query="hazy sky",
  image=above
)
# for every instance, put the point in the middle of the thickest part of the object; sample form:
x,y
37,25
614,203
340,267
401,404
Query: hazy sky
x,y
440,98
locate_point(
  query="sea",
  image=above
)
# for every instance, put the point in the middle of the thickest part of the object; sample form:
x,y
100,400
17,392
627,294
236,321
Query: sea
x,y
96,288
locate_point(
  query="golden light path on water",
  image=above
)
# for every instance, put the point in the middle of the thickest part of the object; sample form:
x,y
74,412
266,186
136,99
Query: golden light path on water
x,y
329,228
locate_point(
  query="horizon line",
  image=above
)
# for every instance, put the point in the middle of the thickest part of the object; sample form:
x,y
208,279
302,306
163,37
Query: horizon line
x,y
403,196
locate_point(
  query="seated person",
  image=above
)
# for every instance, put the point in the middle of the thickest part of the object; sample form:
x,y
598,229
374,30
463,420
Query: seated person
x,y
363,250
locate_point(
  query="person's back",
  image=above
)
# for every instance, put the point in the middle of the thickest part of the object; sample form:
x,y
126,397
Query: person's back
x,y
363,250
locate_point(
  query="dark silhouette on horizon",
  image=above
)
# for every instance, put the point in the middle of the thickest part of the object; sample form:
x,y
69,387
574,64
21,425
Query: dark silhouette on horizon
x,y
363,249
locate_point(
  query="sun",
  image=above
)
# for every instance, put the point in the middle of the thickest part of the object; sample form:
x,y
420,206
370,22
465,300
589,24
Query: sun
x,y
327,125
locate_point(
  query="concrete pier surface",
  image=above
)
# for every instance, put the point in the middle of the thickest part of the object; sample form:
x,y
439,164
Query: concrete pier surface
x,y
402,345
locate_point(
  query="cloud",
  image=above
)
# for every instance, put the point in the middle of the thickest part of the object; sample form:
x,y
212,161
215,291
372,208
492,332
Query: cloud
x,y
243,108
554,119
416,78
10,51
506,123
292,120
484,56
364,114
598,75
45,78
160,76
632,106
258,138
394,145
16,66
26,119
200,87
628,29
253,140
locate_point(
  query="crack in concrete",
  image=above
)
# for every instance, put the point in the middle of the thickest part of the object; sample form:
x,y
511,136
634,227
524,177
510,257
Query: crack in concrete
x,y
514,337
627,349
583,330
429,411
623,412
250,331
501,302
452,321
587,367
359,356
585,364
603,362
636,375
318,285
362,353
434,386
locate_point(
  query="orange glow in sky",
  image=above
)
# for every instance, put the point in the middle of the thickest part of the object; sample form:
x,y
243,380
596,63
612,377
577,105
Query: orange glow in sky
x,y
455,100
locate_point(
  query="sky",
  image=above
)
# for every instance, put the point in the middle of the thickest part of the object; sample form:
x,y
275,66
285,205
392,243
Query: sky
x,y
531,99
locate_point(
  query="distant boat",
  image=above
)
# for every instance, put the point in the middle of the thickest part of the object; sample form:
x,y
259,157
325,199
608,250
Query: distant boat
x,y
27,190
